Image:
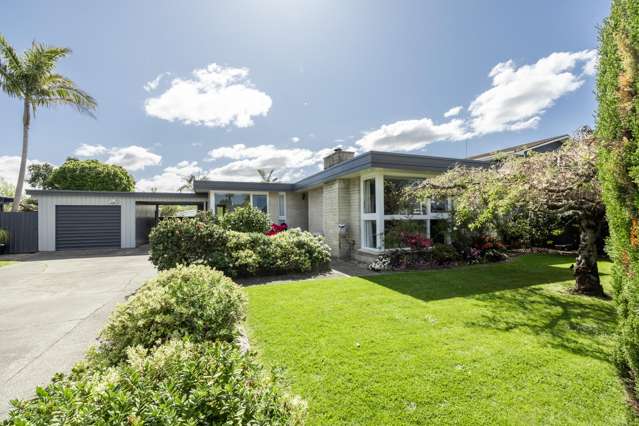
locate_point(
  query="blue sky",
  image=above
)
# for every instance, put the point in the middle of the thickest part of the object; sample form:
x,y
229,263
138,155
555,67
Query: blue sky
x,y
248,85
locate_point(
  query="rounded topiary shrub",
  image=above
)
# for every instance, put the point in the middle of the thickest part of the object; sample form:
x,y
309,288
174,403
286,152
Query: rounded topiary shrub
x,y
194,301
298,251
180,382
246,219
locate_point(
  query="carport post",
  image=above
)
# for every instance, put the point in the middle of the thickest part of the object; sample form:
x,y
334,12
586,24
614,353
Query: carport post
x,y
157,213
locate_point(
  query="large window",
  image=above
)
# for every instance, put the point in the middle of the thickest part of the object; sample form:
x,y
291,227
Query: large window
x,y
225,202
395,201
260,202
387,226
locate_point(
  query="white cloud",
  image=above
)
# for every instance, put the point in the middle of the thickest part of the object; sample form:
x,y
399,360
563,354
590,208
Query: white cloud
x,y
453,111
410,135
171,178
217,96
9,168
150,86
518,98
131,157
86,150
520,95
290,164
295,139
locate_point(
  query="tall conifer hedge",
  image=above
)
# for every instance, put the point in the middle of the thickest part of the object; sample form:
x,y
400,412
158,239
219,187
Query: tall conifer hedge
x,y
618,135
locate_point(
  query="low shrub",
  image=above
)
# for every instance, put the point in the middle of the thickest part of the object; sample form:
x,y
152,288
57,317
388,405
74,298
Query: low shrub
x,y
444,253
178,383
194,301
201,241
4,236
246,219
184,241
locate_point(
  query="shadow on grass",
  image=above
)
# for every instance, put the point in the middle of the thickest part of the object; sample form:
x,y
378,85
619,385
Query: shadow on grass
x,y
521,272
512,299
577,324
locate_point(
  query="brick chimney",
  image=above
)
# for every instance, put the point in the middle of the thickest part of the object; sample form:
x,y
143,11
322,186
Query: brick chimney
x,y
338,156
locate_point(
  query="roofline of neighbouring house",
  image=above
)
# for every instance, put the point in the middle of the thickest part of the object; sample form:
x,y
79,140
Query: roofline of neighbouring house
x,y
137,195
371,159
521,147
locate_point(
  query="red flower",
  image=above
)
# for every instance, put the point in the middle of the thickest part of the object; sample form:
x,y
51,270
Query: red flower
x,y
276,229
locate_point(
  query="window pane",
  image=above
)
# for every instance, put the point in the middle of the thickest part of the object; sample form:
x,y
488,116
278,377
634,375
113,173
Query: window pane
x,y
438,206
439,230
259,202
370,234
281,206
396,232
369,196
394,202
225,203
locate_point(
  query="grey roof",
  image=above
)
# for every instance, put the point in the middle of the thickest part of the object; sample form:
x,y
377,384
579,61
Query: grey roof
x,y
137,195
371,159
522,147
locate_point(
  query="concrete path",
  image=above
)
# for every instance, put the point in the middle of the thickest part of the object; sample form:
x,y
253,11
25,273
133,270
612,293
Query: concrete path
x,y
52,307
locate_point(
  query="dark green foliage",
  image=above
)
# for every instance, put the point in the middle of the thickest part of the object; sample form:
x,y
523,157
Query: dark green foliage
x,y
91,175
4,236
39,175
201,241
178,383
246,219
193,301
618,134
443,253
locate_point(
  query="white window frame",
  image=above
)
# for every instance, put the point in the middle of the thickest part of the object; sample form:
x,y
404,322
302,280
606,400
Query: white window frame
x,y
251,193
380,217
280,217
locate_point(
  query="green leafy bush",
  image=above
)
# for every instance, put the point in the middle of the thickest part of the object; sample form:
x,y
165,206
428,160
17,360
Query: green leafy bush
x,y
246,219
194,301
4,236
178,383
90,175
444,253
201,241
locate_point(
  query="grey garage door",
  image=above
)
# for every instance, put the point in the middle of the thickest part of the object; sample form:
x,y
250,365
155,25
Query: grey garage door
x,y
87,226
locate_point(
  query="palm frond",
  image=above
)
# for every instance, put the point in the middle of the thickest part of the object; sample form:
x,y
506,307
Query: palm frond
x,y
59,90
12,60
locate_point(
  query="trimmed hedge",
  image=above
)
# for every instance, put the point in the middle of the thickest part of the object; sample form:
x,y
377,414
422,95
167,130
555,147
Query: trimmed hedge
x,y
201,241
617,131
193,301
178,383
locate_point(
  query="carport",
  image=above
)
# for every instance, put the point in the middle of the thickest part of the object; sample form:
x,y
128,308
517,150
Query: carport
x,y
88,219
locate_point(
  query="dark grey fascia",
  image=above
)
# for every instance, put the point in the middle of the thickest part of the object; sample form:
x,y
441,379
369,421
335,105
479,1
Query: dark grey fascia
x,y
204,186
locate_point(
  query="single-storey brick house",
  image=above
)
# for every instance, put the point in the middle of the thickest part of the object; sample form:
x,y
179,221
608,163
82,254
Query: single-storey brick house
x,y
353,202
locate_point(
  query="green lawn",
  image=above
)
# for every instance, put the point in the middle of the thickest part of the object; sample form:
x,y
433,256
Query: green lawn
x,y
488,344
5,263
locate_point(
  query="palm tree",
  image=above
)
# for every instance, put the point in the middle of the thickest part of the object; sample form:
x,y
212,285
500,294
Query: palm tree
x,y
267,175
31,77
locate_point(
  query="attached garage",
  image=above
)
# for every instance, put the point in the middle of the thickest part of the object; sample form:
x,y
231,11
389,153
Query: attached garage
x,y
78,227
87,219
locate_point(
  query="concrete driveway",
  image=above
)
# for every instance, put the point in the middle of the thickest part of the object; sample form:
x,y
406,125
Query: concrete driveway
x,y
52,307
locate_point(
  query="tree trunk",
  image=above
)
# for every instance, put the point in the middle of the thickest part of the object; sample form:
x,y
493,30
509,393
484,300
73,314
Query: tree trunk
x,y
586,271
26,121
